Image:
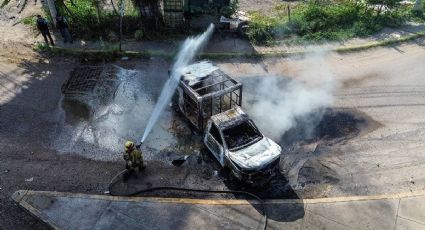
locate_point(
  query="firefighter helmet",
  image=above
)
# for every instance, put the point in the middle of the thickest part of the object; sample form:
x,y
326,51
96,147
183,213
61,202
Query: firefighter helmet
x,y
129,145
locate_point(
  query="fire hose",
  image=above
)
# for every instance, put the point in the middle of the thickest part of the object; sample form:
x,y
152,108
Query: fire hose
x,y
261,202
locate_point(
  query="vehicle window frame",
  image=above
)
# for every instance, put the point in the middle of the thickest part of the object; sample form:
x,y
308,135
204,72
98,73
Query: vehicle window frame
x,y
219,138
261,136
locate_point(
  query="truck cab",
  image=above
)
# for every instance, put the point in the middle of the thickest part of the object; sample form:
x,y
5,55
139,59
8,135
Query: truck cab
x,y
236,142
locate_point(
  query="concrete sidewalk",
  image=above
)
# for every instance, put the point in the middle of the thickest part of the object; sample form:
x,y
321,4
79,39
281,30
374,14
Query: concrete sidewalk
x,y
82,211
232,45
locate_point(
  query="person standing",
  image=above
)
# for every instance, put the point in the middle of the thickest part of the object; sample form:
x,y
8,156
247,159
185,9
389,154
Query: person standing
x,y
43,27
62,25
133,157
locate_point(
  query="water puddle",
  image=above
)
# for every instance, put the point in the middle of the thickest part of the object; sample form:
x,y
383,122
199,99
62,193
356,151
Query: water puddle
x,y
98,130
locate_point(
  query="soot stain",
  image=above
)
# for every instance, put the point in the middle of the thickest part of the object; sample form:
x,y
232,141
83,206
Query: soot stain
x,y
311,148
332,126
306,143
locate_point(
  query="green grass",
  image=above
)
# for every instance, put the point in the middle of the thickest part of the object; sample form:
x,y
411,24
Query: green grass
x,y
113,53
382,43
264,29
318,21
417,16
29,21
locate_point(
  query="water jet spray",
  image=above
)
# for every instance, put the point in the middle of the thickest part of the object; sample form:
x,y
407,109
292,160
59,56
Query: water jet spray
x,y
188,50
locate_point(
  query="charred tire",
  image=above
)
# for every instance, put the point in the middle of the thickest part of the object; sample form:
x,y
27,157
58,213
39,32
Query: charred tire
x,y
284,166
175,102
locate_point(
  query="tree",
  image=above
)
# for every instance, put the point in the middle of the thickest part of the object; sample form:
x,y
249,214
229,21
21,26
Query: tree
x,y
418,7
149,13
52,8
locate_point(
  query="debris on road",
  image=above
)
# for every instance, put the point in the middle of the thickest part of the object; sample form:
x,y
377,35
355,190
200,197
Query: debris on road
x,y
88,87
29,179
215,173
178,162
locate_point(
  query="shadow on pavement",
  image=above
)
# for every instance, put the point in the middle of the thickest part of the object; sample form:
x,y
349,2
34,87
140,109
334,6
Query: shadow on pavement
x,y
202,171
30,94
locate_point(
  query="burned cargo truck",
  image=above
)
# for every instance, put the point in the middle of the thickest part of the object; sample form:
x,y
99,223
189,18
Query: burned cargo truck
x,y
89,87
210,100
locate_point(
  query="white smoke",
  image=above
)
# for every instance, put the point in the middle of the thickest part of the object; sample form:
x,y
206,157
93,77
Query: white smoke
x,y
187,52
280,103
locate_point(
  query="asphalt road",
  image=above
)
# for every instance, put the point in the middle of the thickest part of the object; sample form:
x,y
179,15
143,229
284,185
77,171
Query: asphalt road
x,y
384,87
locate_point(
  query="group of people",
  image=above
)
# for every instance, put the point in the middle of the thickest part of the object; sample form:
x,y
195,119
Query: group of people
x,y
61,24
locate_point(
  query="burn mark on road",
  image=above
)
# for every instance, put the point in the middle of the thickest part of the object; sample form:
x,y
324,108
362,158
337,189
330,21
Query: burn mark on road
x,y
312,149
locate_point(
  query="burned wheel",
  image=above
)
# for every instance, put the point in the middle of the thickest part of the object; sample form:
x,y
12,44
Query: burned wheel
x,y
207,156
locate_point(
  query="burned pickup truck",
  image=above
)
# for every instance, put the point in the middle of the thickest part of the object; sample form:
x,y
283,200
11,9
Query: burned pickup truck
x,y
210,100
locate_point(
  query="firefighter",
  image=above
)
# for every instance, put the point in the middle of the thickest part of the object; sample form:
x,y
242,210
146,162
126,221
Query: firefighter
x,y
133,157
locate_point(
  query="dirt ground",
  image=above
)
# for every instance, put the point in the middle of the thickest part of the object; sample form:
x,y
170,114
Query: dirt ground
x,y
253,5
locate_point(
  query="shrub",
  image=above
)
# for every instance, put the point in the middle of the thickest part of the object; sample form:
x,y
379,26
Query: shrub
x,y
85,21
263,29
327,18
226,11
138,35
112,37
324,20
29,21
416,15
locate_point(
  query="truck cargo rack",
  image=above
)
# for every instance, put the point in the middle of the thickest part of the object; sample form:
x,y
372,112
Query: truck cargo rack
x,y
208,95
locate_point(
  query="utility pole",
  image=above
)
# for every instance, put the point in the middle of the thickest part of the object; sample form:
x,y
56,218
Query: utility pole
x,y
289,13
121,16
52,9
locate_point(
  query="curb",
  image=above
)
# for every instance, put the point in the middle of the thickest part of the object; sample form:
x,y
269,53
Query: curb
x,y
19,196
219,55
